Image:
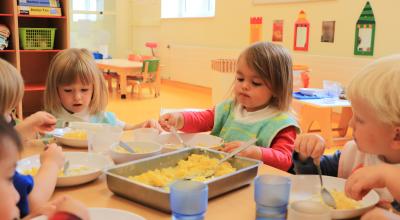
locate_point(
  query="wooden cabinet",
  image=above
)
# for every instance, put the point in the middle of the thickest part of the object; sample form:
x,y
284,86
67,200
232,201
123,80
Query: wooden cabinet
x,y
32,64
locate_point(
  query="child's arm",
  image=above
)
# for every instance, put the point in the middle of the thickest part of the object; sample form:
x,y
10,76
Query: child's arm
x,y
38,122
278,155
146,124
188,121
52,160
362,180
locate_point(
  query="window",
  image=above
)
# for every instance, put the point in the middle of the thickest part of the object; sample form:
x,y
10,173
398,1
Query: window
x,y
187,8
86,9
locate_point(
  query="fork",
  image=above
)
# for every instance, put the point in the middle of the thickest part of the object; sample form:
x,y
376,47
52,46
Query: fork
x,y
173,130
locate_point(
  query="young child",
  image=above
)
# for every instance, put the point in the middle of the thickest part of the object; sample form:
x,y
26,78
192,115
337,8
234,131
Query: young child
x,y
33,192
10,146
375,99
76,90
260,108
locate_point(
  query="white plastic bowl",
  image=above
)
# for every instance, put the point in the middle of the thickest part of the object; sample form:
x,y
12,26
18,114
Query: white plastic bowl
x,y
95,162
71,142
171,143
145,134
143,148
306,187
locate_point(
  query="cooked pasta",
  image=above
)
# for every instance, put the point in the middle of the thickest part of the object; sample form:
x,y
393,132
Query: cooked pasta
x,y
76,134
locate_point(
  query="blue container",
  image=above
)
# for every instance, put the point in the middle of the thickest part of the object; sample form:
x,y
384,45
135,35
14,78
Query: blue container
x,y
97,56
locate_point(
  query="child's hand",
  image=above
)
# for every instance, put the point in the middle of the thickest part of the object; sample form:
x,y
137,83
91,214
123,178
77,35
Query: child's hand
x,y
309,145
73,206
53,155
171,120
251,152
362,180
61,204
381,214
152,124
41,121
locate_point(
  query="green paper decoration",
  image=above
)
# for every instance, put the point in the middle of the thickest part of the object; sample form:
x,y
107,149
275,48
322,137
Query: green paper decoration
x,y
365,32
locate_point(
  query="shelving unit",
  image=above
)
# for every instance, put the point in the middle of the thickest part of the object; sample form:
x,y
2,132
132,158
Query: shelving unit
x,y
32,64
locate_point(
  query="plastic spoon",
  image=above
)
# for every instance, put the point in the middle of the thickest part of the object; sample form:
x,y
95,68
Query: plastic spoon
x,y
126,147
173,130
325,194
66,166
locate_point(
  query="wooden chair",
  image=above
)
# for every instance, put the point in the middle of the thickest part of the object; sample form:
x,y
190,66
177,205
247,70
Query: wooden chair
x,y
149,77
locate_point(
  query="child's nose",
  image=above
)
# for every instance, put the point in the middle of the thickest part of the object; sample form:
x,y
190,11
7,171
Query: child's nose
x,y
77,96
245,86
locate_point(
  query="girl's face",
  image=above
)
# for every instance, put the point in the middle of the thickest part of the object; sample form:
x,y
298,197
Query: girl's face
x,y
8,194
250,89
371,135
75,97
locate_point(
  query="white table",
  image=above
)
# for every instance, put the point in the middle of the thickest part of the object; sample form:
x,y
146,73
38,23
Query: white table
x,y
123,67
320,111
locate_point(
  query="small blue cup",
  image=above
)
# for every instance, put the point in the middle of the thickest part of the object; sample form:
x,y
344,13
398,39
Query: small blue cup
x,y
271,194
188,200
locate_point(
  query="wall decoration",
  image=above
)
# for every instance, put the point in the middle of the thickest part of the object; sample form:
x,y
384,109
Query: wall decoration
x,y
255,29
277,31
365,32
328,31
301,32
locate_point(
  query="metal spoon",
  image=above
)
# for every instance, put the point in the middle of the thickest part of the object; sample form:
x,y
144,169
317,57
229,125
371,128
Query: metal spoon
x,y
212,171
126,147
66,166
173,130
326,195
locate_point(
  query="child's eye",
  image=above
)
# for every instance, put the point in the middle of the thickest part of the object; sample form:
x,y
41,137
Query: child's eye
x,y
67,90
84,90
239,79
256,83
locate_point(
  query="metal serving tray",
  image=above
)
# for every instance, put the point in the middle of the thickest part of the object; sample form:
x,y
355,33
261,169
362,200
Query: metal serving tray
x,y
118,182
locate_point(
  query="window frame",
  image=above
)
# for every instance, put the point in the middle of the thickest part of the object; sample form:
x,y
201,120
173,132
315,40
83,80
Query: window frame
x,y
182,13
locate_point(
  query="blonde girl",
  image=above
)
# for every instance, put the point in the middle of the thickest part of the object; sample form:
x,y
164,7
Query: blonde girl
x,y
260,108
33,192
76,90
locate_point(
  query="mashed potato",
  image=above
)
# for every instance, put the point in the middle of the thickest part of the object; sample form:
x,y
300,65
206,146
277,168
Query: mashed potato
x,y
73,171
197,166
342,201
76,134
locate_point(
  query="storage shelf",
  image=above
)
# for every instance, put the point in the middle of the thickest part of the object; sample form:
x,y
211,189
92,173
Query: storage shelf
x,y
34,87
40,51
42,16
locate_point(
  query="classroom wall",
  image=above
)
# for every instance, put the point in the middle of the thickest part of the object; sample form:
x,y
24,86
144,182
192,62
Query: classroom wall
x,y
228,33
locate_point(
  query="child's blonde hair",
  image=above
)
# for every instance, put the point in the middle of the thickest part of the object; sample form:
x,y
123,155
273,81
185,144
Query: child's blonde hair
x,y
11,87
66,68
378,85
274,64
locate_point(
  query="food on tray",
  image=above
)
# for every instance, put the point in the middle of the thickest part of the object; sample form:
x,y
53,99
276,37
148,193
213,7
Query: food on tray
x,y
196,166
73,171
137,149
76,134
